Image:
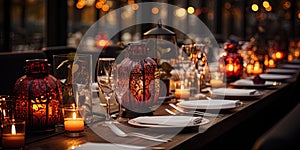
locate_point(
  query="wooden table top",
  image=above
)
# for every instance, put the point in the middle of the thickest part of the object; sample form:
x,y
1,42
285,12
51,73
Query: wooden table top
x,y
194,138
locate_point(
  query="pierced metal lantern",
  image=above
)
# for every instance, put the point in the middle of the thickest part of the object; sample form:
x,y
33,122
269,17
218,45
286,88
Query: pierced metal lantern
x,y
231,63
38,96
143,78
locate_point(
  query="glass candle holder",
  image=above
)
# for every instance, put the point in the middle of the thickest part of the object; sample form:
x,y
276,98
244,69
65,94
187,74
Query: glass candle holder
x,y
6,105
182,92
217,79
73,121
13,134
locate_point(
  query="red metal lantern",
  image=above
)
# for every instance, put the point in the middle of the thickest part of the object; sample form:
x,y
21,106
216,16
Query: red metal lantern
x,y
231,63
38,96
143,78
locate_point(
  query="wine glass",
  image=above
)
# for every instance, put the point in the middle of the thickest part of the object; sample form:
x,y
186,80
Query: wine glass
x,y
121,85
200,61
105,67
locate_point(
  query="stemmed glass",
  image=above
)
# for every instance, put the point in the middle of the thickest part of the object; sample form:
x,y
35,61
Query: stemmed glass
x,y
105,67
200,61
121,85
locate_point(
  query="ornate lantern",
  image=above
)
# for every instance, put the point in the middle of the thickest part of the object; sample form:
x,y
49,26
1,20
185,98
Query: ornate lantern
x,y
143,77
162,42
38,96
231,63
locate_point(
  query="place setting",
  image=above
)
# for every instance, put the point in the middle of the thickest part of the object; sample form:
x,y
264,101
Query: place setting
x,y
236,93
281,71
251,83
275,77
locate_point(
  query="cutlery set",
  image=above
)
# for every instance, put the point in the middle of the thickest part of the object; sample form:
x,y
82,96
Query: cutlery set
x,y
199,113
121,133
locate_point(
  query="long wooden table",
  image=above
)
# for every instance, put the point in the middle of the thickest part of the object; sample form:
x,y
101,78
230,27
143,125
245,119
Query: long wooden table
x,y
237,129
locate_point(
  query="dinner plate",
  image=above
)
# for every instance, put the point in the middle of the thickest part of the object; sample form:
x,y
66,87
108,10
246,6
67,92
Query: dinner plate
x,y
275,76
168,121
296,61
235,93
249,83
108,146
210,104
281,71
290,66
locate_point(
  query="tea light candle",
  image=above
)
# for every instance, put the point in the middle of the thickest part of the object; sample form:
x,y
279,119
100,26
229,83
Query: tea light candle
x,y
272,63
257,69
74,124
182,92
216,83
216,80
13,139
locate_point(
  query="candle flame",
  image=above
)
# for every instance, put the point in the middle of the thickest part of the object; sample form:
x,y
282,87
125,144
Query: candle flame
x,y
182,87
278,55
4,113
13,129
256,66
230,67
74,116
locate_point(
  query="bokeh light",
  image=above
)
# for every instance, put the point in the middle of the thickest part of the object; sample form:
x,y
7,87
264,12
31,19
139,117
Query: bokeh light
x,y
191,10
155,10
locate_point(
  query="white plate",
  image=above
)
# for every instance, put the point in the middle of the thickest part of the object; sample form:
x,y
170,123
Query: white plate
x,y
296,61
290,66
249,83
210,104
282,71
168,121
108,146
275,76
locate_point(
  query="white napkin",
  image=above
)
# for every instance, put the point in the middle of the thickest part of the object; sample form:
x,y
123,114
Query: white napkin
x,y
210,104
108,146
277,70
275,76
291,66
250,82
233,92
244,82
168,120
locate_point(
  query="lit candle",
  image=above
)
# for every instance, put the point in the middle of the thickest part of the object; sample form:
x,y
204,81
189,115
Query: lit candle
x,y
74,124
257,69
249,68
182,92
217,80
272,63
13,139
230,67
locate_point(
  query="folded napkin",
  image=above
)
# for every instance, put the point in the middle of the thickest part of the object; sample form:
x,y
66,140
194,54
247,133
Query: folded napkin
x,y
169,120
108,146
210,104
244,82
250,82
277,70
233,92
275,76
291,66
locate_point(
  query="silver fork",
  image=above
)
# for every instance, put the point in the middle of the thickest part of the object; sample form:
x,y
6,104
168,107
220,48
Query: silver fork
x,y
121,133
195,112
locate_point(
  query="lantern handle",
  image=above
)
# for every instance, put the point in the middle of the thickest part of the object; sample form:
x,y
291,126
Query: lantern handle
x,y
159,23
